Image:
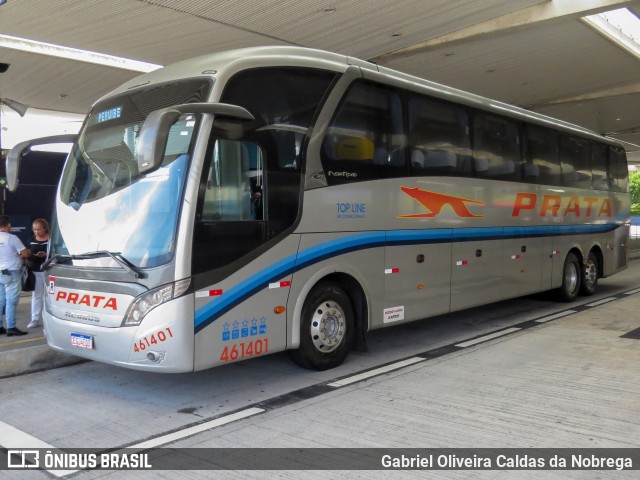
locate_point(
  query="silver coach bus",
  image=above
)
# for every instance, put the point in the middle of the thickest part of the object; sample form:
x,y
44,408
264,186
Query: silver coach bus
x,y
283,198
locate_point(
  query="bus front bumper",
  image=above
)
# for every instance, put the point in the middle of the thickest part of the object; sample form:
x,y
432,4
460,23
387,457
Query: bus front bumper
x,y
160,343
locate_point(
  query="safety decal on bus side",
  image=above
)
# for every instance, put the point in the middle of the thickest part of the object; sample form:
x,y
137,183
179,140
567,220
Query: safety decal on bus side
x,y
243,343
209,293
393,314
244,329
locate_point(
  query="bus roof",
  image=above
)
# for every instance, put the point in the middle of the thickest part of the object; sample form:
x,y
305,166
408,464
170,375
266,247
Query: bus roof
x,y
215,65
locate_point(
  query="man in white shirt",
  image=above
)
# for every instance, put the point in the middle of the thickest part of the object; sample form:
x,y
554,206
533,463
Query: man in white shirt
x,y
12,251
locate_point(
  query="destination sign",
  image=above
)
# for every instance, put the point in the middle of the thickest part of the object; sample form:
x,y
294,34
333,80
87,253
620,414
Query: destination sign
x,y
111,114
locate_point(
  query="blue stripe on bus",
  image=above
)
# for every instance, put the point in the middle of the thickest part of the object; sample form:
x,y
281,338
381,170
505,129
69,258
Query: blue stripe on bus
x,y
419,236
237,294
207,314
234,296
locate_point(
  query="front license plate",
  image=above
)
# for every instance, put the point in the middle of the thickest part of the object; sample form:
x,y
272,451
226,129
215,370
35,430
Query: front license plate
x,y
82,341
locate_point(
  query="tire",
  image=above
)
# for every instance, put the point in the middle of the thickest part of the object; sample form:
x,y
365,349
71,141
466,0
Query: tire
x,y
326,328
589,281
571,279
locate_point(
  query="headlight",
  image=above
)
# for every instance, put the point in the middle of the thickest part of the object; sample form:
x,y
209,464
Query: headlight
x,y
146,302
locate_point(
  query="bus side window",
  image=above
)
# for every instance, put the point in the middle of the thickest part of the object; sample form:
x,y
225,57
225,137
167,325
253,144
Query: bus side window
x,y
599,172
366,139
438,138
618,171
541,155
233,190
575,161
496,148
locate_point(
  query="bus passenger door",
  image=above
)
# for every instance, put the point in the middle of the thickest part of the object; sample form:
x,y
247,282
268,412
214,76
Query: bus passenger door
x,y
417,281
522,263
476,277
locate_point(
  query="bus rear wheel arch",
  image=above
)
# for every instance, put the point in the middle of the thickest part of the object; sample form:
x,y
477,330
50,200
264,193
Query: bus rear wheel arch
x,y
327,327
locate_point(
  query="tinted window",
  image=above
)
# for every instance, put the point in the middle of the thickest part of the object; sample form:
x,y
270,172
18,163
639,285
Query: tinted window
x,y
284,102
575,162
438,138
541,155
599,174
618,170
496,147
250,186
365,140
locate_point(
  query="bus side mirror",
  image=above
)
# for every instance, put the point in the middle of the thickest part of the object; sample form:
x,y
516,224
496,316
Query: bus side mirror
x,y
154,134
21,149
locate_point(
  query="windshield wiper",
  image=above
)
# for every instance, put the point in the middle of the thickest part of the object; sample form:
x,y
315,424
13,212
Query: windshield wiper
x,y
116,256
56,258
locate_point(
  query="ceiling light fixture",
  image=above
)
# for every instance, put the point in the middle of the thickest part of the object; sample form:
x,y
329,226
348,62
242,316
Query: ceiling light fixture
x,y
42,48
621,26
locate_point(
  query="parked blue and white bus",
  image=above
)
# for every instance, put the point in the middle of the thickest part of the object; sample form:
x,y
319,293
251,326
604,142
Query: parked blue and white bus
x,y
282,198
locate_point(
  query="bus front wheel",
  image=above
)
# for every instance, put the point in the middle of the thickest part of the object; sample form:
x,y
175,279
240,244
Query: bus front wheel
x,y
571,278
326,328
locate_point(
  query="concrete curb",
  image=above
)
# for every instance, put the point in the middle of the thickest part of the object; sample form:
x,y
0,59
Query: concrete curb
x,y
19,361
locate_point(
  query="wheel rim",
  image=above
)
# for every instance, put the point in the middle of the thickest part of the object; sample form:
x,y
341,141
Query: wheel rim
x,y
571,277
328,326
591,274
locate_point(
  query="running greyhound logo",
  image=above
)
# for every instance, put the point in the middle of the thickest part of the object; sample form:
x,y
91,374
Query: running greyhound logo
x,y
435,201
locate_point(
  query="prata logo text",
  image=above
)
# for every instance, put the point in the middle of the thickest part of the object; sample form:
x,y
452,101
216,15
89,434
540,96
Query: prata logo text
x,y
95,301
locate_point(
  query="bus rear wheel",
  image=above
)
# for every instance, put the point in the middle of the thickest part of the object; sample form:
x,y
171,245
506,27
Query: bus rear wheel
x,y
589,276
571,279
326,328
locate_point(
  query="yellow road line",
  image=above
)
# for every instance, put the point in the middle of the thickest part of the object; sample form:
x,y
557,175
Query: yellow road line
x,y
24,340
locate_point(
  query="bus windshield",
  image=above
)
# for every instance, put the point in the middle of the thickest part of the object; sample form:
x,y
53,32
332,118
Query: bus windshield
x,y
105,204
